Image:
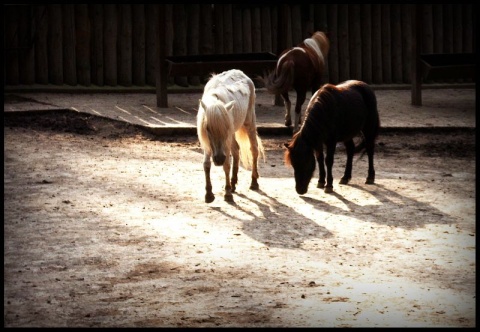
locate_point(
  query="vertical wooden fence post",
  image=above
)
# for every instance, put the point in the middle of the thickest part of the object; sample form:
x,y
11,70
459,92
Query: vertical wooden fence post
x,y
282,41
161,70
416,44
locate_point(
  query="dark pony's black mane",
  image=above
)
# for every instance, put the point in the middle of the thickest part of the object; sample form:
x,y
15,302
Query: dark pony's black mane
x,y
320,112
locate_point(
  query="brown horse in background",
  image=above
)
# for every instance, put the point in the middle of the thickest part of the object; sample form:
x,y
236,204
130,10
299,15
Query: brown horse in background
x,y
300,68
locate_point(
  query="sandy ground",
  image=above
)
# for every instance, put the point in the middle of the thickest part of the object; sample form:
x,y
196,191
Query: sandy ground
x,y
105,226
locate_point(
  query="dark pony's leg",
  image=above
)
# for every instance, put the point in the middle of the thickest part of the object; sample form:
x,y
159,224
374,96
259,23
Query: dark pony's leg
x,y
207,163
329,162
321,167
236,158
301,95
370,146
350,146
288,106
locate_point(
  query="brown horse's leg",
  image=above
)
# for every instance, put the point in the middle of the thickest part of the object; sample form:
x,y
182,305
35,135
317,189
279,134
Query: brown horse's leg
x,y
288,106
236,159
301,95
209,197
350,147
321,167
329,161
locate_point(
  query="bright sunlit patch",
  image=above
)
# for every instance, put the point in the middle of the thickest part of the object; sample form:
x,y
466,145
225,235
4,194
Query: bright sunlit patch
x,y
158,120
182,110
123,110
176,121
141,120
150,109
95,112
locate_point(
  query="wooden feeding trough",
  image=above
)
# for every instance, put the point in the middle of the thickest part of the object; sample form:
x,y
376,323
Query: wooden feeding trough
x,y
448,66
435,66
249,63
442,66
197,65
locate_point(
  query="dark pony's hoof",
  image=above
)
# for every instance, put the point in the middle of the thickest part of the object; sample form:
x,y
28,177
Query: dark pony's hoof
x,y
344,180
228,198
254,186
209,198
328,190
320,185
370,181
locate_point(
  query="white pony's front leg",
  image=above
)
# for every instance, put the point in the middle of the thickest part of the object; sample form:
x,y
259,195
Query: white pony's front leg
x,y
228,186
207,163
236,161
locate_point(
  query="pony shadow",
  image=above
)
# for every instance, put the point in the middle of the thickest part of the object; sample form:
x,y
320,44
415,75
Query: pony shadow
x,y
277,232
394,209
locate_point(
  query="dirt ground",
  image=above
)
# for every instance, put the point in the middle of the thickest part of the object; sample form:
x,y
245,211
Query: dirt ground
x,y
106,226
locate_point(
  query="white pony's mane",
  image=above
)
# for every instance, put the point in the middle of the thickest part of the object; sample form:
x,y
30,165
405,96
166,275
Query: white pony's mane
x,y
216,120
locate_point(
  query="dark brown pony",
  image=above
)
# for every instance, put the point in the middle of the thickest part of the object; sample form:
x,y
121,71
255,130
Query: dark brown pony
x,y
334,114
299,68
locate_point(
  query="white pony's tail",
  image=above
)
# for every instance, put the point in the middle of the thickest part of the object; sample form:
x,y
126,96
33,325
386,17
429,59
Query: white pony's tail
x,y
245,149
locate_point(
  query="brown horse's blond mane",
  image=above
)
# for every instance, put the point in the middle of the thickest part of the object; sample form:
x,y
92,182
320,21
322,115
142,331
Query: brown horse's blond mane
x,y
322,42
317,47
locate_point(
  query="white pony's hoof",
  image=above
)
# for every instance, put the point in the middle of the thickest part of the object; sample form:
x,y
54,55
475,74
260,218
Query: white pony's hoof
x,y
209,198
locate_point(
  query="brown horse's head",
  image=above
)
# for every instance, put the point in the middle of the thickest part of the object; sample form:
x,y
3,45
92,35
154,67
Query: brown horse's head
x,y
301,157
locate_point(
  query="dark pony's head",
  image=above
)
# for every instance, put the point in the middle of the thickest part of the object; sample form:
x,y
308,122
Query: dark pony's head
x,y
300,156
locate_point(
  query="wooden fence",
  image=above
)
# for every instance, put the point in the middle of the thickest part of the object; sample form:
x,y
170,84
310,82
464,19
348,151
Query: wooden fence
x,y
115,44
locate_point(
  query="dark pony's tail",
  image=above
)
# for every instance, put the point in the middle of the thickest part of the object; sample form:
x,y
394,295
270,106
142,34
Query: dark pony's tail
x,y
372,123
281,79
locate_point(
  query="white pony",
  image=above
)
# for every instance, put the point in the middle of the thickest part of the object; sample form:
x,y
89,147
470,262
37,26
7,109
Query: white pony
x,y
226,125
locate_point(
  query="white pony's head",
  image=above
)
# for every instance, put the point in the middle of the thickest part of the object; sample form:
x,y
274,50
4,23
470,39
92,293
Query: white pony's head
x,y
215,129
